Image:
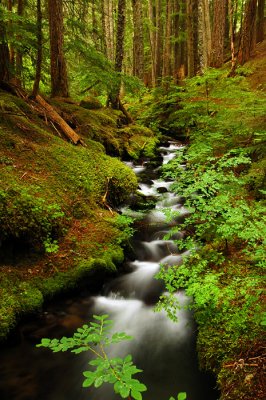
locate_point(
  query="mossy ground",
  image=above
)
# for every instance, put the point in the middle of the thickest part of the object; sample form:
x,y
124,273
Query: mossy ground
x,y
56,227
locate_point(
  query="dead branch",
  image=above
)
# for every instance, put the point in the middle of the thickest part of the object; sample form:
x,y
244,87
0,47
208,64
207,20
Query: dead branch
x,y
56,119
104,198
90,87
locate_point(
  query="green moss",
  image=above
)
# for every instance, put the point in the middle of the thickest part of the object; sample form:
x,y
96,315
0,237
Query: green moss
x,y
17,298
91,103
140,141
24,297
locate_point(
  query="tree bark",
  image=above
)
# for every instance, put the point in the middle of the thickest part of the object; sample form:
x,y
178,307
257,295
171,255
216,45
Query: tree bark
x,y
192,37
119,55
19,61
247,41
11,48
206,33
158,41
218,33
176,34
5,68
152,39
95,36
108,28
167,45
183,46
231,34
260,21
37,80
138,41
59,79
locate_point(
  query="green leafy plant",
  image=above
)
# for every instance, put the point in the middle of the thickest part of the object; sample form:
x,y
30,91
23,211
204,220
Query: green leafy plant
x,y
51,246
95,337
119,372
180,396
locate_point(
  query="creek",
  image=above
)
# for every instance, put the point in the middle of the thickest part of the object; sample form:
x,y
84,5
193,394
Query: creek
x,y
165,350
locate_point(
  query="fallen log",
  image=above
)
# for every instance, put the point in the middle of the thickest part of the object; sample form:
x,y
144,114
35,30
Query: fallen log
x,y
55,118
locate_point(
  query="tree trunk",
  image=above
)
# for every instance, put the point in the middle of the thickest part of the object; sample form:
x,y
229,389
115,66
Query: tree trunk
x,y
196,35
176,34
231,34
108,28
167,45
218,33
11,48
138,41
94,25
59,79
5,70
119,55
20,11
36,84
206,33
260,21
158,41
183,46
192,37
247,40
152,39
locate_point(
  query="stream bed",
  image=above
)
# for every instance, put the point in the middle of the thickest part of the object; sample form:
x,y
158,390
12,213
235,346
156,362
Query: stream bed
x,y
164,350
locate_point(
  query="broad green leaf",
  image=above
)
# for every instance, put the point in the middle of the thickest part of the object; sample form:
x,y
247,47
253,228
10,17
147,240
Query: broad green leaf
x,y
118,386
89,379
128,358
136,395
182,396
98,381
140,387
124,391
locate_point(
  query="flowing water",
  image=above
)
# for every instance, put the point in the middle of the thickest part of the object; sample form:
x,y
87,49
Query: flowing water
x,y
163,349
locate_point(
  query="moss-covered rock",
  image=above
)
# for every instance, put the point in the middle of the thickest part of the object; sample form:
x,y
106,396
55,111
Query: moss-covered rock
x,y
139,141
91,103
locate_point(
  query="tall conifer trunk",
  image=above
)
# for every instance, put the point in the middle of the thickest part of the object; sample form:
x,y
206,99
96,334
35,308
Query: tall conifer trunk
x,y
206,33
59,79
218,33
37,80
192,36
159,41
152,39
247,41
260,21
5,70
138,43
167,45
176,46
119,54
108,28
18,52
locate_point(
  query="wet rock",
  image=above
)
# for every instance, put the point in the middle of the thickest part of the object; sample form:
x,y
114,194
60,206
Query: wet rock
x,y
162,189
